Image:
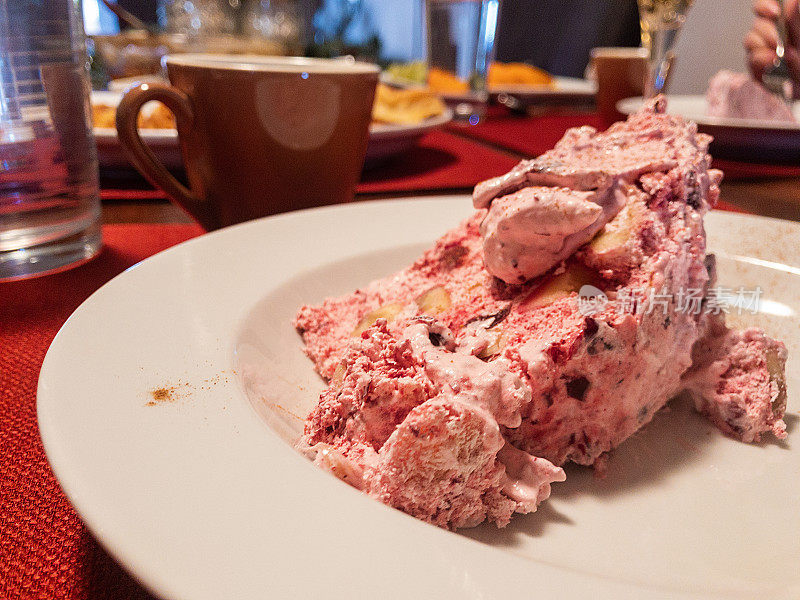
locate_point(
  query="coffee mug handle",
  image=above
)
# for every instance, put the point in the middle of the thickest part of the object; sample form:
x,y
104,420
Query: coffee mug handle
x,y
143,158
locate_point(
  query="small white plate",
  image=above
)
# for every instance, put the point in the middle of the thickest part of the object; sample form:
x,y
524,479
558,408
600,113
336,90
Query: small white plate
x,y
199,493
385,141
742,139
123,83
566,89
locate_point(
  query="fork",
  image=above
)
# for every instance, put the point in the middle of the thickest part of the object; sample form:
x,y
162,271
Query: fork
x,y
776,77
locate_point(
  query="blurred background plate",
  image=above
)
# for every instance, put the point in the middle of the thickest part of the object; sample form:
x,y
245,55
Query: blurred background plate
x,y
563,89
110,153
737,139
385,141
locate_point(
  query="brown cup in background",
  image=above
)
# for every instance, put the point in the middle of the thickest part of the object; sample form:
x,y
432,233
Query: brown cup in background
x,y
621,73
259,135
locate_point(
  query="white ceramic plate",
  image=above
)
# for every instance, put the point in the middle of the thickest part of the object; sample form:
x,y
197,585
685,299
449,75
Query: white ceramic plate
x,y
565,89
110,153
201,495
385,141
743,139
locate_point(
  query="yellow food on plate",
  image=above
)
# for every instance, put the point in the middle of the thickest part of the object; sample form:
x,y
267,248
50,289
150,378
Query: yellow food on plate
x,y
159,117
392,106
103,115
514,73
499,75
404,106
440,80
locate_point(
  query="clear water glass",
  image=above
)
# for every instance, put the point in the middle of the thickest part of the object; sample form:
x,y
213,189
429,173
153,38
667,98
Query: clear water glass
x,y
460,37
49,196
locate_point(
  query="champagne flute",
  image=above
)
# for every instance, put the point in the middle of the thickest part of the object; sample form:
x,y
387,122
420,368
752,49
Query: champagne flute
x,y
660,21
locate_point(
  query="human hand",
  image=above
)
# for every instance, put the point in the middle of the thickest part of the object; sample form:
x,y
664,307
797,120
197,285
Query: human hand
x,y
762,39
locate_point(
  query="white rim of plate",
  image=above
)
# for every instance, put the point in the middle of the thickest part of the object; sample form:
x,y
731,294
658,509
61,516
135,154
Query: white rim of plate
x,y
629,106
438,557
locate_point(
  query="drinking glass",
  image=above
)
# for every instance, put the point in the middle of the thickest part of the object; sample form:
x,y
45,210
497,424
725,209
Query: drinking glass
x,y
460,41
49,197
660,21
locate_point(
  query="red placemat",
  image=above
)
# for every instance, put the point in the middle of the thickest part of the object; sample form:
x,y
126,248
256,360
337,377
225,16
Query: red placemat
x,y
45,550
440,161
137,193
529,136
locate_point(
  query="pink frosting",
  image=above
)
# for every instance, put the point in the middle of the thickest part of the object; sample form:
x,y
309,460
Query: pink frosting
x,y
739,96
544,209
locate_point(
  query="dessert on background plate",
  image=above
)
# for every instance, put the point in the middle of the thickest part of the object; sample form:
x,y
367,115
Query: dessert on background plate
x,y
547,328
733,95
154,116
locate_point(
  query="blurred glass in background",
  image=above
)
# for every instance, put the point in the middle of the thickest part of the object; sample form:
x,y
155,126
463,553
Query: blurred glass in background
x,y
344,27
279,20
98,18
460,38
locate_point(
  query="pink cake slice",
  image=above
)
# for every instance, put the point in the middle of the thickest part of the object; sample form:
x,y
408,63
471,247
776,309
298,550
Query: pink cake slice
x,y
456,396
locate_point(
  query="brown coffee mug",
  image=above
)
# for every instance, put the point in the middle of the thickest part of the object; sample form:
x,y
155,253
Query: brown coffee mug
x,y
621,73
258,135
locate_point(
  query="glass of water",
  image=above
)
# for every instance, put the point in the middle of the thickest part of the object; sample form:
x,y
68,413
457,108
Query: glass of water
x,y
49,197
460,41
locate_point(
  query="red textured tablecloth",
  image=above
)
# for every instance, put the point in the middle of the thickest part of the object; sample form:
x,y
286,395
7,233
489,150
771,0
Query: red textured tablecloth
x,y
529,136
45,551
441,161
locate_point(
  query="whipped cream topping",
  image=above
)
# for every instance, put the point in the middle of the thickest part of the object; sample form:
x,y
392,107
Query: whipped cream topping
x,y
529,231
544,209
